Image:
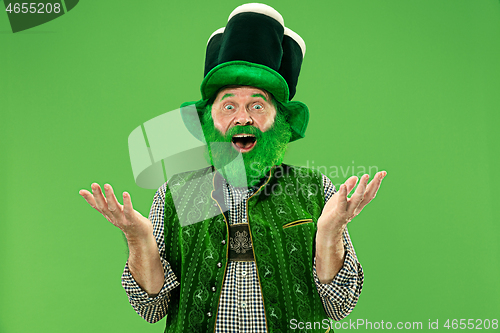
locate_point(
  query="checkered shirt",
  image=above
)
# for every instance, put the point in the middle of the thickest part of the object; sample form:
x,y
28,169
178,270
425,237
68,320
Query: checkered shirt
x,y
241,308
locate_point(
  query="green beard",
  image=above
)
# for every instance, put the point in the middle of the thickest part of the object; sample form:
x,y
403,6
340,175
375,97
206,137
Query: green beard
x,y
268,151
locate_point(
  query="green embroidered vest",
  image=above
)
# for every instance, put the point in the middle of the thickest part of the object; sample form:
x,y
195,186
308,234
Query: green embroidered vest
x,y
282,216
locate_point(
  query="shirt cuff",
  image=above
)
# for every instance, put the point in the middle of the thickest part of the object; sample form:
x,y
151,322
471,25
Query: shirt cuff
x,y
345,285
140,297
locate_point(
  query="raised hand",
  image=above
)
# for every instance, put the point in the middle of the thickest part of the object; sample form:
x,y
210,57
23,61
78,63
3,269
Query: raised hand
x,y
340,210
131,222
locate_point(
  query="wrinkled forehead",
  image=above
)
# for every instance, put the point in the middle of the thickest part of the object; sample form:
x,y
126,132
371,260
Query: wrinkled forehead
x,y
235,88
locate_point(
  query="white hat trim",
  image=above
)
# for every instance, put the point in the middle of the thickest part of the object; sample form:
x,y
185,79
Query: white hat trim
x,y
216,32
258,8
297,39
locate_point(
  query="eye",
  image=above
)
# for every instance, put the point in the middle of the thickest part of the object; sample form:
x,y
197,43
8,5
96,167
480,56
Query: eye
x,y
258,107
229,107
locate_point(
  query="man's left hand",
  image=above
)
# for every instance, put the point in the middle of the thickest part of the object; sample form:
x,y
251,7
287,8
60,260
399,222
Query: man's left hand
x,y
340,210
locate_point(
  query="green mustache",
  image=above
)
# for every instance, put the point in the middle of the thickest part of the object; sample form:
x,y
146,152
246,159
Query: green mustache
x,y
248,129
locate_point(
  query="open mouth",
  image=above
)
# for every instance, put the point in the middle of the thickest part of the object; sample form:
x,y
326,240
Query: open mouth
x,y
244,142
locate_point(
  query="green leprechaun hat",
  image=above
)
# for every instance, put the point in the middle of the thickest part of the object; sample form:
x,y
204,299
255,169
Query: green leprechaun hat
x,y
254,49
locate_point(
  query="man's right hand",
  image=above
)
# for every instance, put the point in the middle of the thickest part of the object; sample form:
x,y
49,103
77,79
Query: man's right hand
x,y
132,223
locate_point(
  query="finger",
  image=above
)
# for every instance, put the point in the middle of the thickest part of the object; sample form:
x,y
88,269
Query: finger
x,y
374,185
128,209
100,200
342,198
371,190
88,197
351,183
358,195
91,201
113,205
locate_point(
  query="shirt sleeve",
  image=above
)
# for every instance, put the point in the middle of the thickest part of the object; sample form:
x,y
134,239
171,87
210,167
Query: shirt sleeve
x,y
341,295
152,309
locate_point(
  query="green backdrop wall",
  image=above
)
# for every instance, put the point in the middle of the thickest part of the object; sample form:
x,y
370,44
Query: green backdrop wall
x,y
411,87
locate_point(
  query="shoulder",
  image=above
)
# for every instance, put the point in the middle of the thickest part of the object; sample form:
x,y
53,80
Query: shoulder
x,y
181,178
299,171
309,175
192,174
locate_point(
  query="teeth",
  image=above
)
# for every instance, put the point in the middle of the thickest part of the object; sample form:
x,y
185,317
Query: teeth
x,y
243,136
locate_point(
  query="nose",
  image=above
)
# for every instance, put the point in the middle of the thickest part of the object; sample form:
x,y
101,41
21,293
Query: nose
x,y
242,118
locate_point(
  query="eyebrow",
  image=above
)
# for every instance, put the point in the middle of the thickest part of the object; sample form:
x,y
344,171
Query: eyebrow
x,y
226,95
260,95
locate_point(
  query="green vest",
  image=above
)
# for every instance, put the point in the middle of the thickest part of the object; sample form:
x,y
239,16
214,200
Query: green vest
x,y
282,216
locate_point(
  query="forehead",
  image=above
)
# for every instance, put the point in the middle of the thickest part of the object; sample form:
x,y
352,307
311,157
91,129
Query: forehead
x,y
241,91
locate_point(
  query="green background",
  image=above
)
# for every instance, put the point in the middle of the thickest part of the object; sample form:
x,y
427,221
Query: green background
x,y
411,87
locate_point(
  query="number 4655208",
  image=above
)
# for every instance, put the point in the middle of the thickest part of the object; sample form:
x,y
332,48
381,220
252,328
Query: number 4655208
x,y
33,7
479,324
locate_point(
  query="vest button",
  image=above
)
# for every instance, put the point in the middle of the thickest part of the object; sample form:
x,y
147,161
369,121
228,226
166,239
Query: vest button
x,y
219,264
214,289
223,242
209,314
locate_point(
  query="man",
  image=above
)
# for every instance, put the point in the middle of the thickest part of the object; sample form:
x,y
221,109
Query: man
x,y
271,249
